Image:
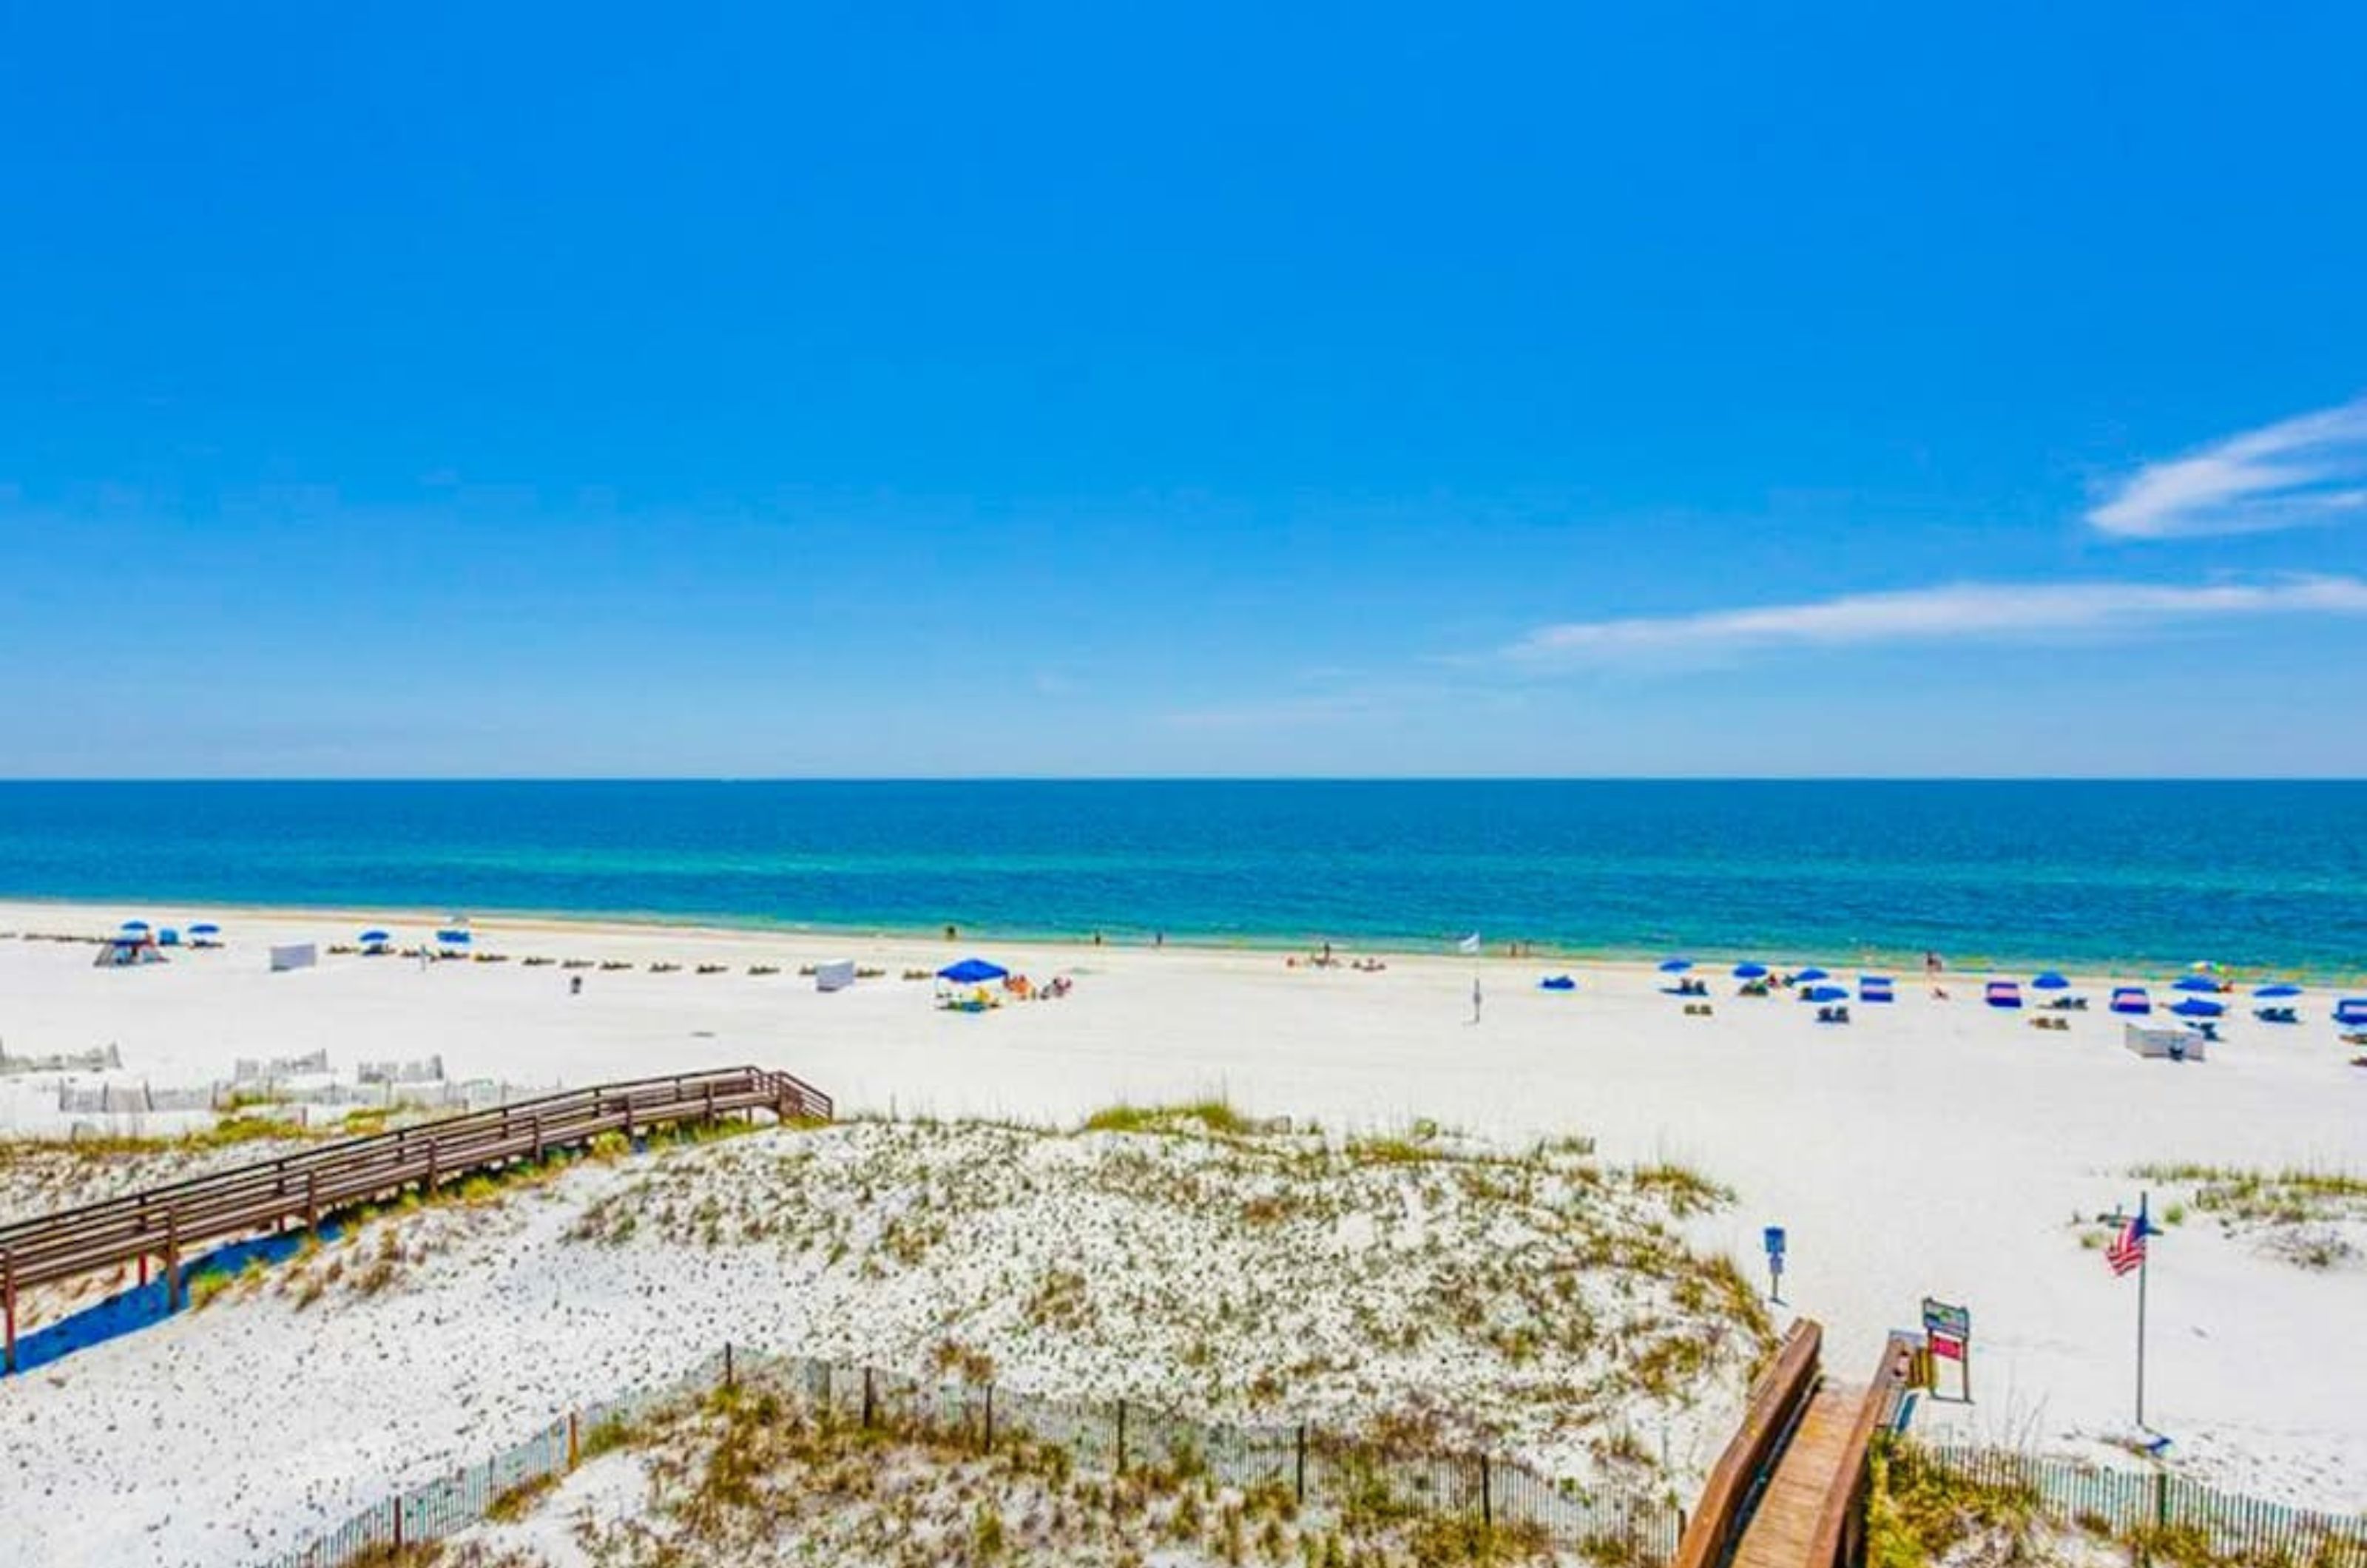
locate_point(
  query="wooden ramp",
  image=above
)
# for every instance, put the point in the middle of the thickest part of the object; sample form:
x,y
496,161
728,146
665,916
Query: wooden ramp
x,y
174,1220
1782,1530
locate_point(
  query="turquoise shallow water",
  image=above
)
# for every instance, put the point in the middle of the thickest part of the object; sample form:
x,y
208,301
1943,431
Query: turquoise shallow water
x,y
2254,874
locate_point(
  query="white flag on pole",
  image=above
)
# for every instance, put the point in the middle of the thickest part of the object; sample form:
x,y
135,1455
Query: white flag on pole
x,y
1469,943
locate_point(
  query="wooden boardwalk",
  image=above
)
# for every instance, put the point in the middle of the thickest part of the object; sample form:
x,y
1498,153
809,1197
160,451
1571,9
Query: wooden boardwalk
x,y
173,1221
1783,1532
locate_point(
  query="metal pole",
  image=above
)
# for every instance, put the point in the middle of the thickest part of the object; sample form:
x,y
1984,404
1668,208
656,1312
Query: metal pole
x,y
2145,1266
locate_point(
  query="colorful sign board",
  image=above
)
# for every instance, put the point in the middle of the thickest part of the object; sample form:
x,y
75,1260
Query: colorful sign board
x,y
1954,1322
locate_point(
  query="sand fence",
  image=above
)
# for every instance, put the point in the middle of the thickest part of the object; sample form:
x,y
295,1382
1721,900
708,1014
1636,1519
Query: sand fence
x,y
1322,1470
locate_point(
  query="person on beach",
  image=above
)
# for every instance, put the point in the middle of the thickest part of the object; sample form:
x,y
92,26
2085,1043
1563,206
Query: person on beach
x,y
1475,998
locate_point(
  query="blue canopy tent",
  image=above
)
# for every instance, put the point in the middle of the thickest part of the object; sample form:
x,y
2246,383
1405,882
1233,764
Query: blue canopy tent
x,y
1875,989
133,928
2004,994
2133,1000
2350,1011
376,941
2194,983
452,939
972,972
205,933
127,950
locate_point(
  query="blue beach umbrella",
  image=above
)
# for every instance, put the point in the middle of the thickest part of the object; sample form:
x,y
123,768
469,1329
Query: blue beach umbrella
x,y
2194,983
2050,981
133,926
1812,973
1557,983
205,928
1828,993
375,936
1750,971
2271,993
972,972
2195,1007
1675,966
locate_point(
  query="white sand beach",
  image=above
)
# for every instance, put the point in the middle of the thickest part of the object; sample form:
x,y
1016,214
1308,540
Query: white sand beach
x,y
1930,1147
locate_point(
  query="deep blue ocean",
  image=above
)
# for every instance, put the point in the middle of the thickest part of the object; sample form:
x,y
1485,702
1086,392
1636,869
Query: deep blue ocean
x,y
2265,874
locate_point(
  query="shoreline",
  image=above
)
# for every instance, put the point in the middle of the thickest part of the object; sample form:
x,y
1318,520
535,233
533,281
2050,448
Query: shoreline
x,y
1903,964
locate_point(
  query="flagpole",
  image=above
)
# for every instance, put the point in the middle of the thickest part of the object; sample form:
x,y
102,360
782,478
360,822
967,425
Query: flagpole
x,y
2145,1266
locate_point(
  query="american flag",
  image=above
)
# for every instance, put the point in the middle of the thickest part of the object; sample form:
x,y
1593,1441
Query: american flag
x,y
2127,1250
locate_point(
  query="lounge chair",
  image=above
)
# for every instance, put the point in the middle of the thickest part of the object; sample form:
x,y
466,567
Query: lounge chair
x,y
1833,1014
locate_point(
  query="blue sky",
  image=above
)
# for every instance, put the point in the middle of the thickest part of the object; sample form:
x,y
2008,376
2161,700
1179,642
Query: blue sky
x,y
1019,390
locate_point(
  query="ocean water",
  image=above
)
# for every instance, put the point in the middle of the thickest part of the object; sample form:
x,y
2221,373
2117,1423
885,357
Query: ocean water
x,y
2254,874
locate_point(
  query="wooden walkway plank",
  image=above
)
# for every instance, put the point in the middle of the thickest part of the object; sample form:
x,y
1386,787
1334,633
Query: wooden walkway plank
x,y
1782,1531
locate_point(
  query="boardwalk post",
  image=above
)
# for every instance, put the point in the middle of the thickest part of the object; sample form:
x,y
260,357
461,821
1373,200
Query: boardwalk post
x,y
8,1294
1486,1500
574,1441
728,1379
1302,1464
172,1261
312,1201
990,1419
1121,1437
867,1396
537,1122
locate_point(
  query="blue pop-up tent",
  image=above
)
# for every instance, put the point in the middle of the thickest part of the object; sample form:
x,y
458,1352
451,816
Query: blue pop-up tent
x,y
972,972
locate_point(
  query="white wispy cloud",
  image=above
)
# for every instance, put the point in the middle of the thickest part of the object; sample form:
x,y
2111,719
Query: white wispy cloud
x,y
2311,468
1954,612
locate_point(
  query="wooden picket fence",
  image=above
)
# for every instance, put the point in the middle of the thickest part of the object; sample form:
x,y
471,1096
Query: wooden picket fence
x,y
2150,1507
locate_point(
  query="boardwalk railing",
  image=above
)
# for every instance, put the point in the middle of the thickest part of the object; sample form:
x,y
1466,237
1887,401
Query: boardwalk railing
x,y
2141,1505
1320,1470
1777,1401
165,1223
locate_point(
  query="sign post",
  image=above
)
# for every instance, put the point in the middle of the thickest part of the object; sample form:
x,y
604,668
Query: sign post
x,y
1948,1336
1774,1239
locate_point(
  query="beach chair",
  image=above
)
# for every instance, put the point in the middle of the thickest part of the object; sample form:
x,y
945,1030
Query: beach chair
x,y
1832,1014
